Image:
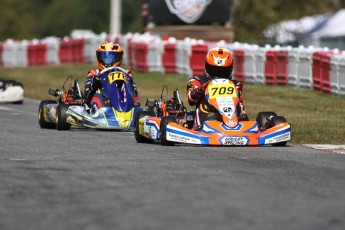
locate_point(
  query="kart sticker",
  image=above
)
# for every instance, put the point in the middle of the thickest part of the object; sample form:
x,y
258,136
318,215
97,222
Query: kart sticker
x,y
222,89
279,138
117,75
234,141
180,138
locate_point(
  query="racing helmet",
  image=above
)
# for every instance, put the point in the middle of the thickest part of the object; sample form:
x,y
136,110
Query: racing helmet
x,y
218,63
109,54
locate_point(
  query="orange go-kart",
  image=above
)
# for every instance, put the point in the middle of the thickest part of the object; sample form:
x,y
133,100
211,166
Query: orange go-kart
x,y
169,122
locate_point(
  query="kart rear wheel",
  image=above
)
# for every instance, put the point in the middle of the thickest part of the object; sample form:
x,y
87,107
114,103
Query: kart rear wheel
x,y
262,120
276,121
139,138
41,120
61,117
163,127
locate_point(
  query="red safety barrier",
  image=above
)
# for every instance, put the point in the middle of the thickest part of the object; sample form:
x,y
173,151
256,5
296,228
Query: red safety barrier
x,y
197,59
282,69
141,50
326,72
78,47
317,71
321,71
66,51
238,71
37,54
271,67
169,58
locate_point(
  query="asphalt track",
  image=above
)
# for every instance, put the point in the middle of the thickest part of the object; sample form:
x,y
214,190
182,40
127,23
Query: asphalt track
x,y
85,179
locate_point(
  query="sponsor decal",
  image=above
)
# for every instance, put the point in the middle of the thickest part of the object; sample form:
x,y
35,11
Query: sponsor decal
x,y
279,138
150,128
180,138
234,140
188,11
153,132
223,101
76,109
231,123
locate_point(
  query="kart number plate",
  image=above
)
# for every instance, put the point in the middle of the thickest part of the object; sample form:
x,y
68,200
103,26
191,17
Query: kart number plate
x,y
221,90
115,76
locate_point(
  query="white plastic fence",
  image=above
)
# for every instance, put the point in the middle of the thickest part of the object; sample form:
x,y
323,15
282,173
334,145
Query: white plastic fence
x,y
299,62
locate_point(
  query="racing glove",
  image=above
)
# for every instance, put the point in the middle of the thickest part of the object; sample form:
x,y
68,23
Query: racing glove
x,y
197,93
96,83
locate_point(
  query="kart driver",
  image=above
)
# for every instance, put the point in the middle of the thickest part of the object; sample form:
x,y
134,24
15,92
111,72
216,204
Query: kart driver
x,y
109,54
218,64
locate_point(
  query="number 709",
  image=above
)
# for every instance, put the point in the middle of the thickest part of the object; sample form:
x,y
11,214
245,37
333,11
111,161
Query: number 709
x,y
222,90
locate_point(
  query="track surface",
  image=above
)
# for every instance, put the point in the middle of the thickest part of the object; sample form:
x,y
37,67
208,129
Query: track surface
x,y
85,179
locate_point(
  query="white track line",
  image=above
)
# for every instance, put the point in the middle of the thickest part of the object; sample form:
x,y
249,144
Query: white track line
x,y
16,111
329,148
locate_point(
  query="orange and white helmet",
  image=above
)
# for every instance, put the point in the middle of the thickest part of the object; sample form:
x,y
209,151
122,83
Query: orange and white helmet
x,y
218,63
109,54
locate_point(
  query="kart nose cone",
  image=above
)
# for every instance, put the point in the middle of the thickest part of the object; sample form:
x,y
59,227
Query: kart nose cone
x,y
231,124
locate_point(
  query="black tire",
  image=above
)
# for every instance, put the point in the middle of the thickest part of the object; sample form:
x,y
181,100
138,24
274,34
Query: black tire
x,y
18,102
276,121
163,127
18,84
243,117
139,138
9,83
61,117
262,121
41,121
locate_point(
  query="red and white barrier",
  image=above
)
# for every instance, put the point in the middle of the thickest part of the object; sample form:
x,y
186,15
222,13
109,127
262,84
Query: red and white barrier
x,y
318,69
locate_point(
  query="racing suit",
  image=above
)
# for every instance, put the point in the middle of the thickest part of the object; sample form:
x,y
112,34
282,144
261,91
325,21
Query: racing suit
x,y
92,94
196,96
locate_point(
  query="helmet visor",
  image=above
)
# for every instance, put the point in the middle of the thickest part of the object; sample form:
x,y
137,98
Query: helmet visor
x,y
108,58
218,71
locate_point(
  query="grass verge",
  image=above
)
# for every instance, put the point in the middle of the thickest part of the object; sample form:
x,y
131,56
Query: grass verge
x,y
316,118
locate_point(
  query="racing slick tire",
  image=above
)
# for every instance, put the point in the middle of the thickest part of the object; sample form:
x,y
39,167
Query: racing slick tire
x,y
139,138
263,121
163,127
61,117
41,121
276,121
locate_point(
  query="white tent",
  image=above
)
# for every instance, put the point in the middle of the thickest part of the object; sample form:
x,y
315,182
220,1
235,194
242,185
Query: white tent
x,y
292,30
334,27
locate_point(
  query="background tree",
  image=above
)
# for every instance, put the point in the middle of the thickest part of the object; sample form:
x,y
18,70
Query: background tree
x,y
27,19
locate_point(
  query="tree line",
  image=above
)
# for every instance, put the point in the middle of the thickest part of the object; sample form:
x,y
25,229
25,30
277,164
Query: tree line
x,y
28,19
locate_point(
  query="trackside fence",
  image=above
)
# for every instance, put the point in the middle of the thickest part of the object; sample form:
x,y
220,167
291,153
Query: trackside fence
x,y
313,68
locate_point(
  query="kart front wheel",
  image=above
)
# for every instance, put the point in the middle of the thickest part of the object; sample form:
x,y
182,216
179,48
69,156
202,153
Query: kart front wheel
x,y
264,120
163,128
61,117
41,116
138,137
276,121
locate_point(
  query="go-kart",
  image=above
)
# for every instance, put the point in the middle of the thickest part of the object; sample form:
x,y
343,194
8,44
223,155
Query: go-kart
x,y
117,113
223,125
52,113
11,92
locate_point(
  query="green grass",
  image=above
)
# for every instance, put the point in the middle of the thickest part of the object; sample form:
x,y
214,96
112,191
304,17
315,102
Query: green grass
x,y
316,118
